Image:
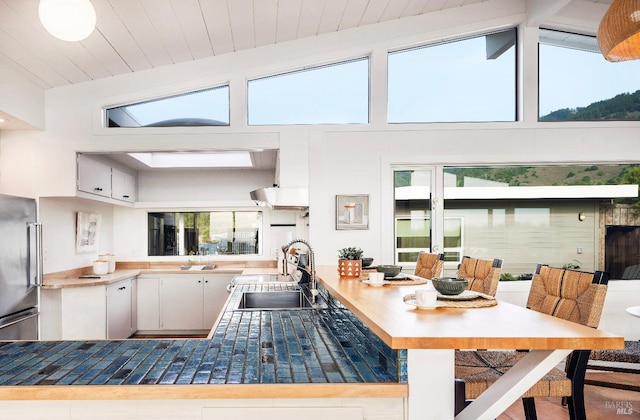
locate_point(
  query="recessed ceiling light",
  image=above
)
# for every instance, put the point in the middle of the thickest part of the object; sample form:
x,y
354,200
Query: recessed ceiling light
x,y
2,120
194,159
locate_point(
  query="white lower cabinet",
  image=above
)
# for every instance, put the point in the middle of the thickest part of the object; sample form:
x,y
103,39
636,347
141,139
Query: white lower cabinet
x,y
181,302
176,302
215,297
89,313
120,310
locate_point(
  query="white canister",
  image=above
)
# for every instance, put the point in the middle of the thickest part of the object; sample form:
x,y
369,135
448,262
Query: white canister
x,y
111,259
100,267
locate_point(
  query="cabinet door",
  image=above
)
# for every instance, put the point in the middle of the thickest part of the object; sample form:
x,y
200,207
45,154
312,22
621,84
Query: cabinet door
x,y
83,313
215,296
119,311
94,177
181,302
123,186
148,298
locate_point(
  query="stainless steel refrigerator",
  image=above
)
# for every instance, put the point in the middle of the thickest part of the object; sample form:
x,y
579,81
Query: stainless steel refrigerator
x,y
20,268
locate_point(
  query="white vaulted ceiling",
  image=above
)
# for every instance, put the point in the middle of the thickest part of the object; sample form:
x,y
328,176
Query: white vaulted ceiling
x,y
134,35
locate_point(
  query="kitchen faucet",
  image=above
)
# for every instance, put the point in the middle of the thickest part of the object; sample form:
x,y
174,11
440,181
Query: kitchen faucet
x,y
312,266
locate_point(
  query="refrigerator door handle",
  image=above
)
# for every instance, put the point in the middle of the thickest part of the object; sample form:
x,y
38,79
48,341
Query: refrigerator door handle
x,y
35,243
16,320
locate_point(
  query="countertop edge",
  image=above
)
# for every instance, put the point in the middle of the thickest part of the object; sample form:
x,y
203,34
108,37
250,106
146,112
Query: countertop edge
x,y
53,282
205,391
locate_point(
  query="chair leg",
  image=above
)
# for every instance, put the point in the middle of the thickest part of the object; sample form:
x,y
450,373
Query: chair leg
x,y
575,403
529,405
460,401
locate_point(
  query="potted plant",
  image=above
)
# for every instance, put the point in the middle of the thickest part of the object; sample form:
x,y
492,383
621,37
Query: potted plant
x,y
350,262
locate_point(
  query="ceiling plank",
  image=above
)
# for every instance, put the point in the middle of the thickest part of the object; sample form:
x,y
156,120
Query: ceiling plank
x,y
137,22
190,17
216,18
28,65
166,25
288,18
332,16
353,13
540,10
374,11
414,8
310,17
118,36
394,10
265,21
241,17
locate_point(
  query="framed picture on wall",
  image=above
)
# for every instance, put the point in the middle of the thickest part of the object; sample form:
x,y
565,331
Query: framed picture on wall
x,y
352,212
87,232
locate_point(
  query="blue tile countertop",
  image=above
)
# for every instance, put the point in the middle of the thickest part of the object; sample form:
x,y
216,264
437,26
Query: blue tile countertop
x,y
248,347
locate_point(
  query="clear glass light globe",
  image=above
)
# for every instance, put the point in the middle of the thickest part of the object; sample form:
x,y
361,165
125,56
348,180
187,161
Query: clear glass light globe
x,y
68,20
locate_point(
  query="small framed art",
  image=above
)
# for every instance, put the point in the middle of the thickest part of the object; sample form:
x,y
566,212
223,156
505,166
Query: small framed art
x,y
352,212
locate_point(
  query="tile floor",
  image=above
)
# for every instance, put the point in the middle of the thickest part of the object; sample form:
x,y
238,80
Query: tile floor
x,y
601,403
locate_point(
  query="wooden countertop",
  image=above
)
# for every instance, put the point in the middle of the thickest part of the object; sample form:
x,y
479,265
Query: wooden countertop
x,y
504,326
71,278
210,392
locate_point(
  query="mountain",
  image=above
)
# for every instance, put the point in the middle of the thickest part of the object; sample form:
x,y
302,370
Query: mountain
x,y
549,175
625,106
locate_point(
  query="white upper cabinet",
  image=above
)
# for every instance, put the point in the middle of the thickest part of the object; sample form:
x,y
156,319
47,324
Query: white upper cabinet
x,y
94,177
123,186
103,180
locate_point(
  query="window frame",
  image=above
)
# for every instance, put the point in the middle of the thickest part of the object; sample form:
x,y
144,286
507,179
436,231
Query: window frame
x,y
123,105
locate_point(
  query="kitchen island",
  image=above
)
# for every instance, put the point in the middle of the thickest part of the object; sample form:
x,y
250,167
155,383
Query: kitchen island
x,y
430,337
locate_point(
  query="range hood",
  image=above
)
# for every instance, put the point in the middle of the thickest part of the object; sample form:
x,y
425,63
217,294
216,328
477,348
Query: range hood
x,y
282,198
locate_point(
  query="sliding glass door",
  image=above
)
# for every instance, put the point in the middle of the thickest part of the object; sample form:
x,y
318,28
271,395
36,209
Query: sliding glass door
x,y
415,205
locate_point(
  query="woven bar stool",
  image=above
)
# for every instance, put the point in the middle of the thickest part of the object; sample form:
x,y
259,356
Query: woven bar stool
x,y
429,265
572,295
483,275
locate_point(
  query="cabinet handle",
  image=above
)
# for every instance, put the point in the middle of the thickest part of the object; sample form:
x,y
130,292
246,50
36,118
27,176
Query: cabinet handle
x,y
199,281
125,196
122,288
97,189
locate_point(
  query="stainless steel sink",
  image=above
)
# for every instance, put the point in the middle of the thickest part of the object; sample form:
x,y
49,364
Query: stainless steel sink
x,y
277,300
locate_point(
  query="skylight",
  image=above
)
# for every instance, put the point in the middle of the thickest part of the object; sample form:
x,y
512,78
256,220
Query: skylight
x,y
194,159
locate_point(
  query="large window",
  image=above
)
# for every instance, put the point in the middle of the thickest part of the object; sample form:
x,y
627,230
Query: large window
x,y
332,94
463,81
205,233
578,84
207,107
556,215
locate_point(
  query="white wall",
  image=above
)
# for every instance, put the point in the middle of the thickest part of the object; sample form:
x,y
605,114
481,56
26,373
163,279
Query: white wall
x,y
20,98
201,185
58,217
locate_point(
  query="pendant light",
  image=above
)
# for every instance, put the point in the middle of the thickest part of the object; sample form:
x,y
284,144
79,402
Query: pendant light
x,y
619,31
68,20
